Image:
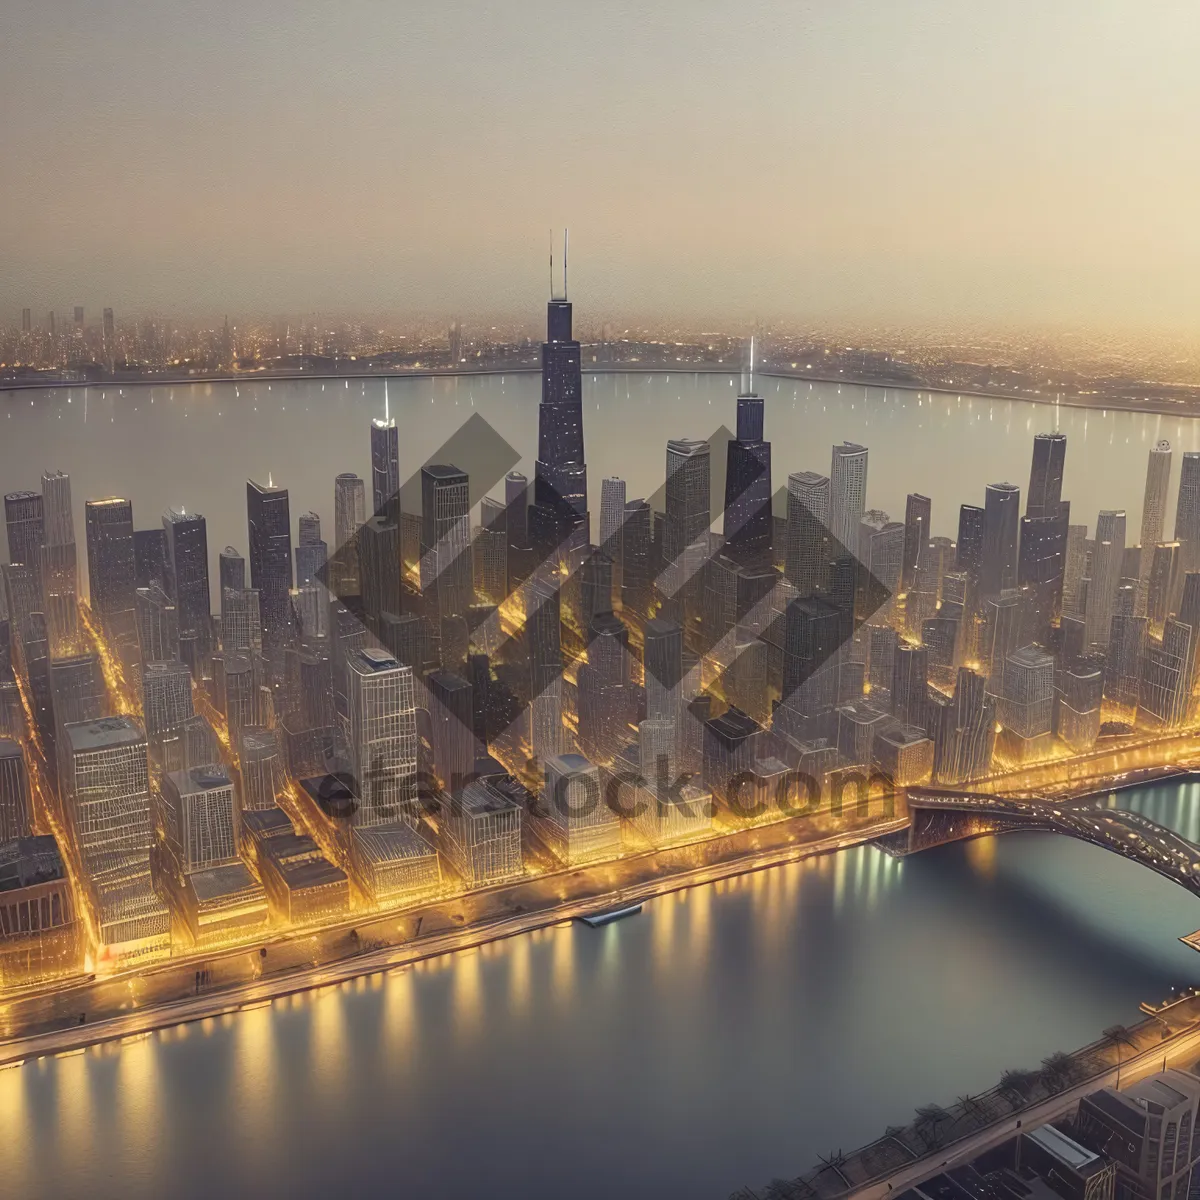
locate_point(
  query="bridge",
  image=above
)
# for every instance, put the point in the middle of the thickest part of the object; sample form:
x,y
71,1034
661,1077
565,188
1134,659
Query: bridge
x,y
939,816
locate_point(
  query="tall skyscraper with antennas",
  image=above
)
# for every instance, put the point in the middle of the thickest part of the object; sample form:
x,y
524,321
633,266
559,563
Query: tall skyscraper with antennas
x,y
559,516
748,480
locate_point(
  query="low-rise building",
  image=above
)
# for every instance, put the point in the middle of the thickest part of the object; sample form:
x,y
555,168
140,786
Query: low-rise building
x,y
481,834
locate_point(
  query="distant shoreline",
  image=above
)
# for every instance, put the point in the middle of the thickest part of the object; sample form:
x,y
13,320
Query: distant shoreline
x,y
1154,409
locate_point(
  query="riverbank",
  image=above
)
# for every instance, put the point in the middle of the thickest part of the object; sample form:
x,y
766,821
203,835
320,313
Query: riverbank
x,y
134,1004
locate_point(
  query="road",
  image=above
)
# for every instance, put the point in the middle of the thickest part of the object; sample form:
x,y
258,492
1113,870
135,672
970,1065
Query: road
x,y
1181,1049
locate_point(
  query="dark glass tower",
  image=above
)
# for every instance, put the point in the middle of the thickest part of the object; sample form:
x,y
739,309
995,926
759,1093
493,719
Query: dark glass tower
x,y
1001,523
748,486
187,583
560,512
26,527
970,538
112,567
270,527
385,469
1046,474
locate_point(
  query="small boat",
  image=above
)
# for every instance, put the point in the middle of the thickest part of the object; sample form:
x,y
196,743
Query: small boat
x,y
595,920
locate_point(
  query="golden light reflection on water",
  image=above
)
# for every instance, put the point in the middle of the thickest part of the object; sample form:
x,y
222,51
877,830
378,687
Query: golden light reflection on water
x,y
562,963
467,991
256,1076
519,990
73,1113
981,856
329,1042
18,1129
699,924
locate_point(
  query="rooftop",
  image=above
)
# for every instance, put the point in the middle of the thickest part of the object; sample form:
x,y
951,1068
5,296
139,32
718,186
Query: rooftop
x,y
378,844
103,734
1066,1150
233,879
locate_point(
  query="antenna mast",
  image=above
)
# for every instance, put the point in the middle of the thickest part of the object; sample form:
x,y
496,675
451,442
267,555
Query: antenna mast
x,y
552,264
564,262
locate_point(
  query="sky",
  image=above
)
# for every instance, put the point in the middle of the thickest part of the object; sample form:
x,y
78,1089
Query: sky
x,y
1022,163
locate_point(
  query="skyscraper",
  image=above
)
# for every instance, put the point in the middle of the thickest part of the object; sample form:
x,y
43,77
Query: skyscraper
x,y
1105,577
150,557
1187,507
311,550
446,574
349,513
917,510
1046,474
687,517
1154,508
969,552
543,633
560,478
385,469
270,528
637,574
381,736
663,662
612,524
451,715
1027,707
1001,521
23,516
166,696
605,708
56,506
805,559
847,494
748,486
1041,566
112,567
16,815
58,566
187,583
200,817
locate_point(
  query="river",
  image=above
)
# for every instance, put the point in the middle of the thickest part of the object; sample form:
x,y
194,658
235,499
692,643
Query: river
x,y
726,1035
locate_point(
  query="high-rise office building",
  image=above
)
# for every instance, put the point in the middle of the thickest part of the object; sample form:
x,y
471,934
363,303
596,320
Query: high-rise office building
x,y
543,632
157,621
489,549
605,697
687,517
26,320
559,512
187,583
25,522
112,567
807,551
1074,570
1046,474
385,469
16,813
106,791
77,685
748,525
910,686
516,503
1154,510
200,815
1027,705
56,507
150,557
1079,702
663,669
1123,666
1001,524
452,717
1187,508
1107,558
349,513
572,818
311,551
847,494
1041,567
446,568
166,696
270,529
381,737
110,338
969,551
964,731
1164,695
637,569
813,632
917,512
612,521
1161,590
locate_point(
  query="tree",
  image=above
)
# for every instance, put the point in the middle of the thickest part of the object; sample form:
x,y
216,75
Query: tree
x,y
1058,1070
1118,1036
928,1125
1016,1083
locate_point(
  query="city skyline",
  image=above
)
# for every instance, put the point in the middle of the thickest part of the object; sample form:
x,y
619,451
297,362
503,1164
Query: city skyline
x,y
1058,176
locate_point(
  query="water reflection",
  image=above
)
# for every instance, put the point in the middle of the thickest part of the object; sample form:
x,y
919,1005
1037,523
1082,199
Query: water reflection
x,y
830,997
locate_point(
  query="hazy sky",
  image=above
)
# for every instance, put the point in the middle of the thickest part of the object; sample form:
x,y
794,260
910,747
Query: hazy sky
x,y
1021,161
